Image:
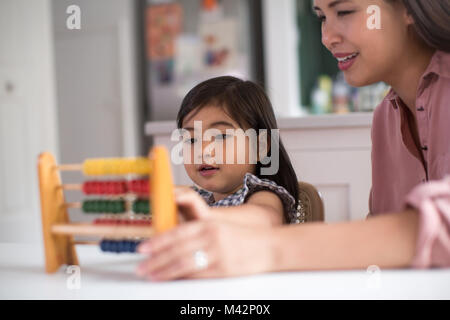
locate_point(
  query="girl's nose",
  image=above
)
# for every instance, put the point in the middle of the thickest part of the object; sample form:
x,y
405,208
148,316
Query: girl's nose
x,y
331,37
208,152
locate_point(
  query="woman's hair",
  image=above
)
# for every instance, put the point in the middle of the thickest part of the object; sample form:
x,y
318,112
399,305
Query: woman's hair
x,y
247,104
431,21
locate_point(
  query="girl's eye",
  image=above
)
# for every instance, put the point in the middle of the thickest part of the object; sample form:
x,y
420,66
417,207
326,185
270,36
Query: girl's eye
x,y
222,136
190,141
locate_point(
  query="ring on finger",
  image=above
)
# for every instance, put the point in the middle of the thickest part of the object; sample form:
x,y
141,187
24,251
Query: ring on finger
x,y
200,260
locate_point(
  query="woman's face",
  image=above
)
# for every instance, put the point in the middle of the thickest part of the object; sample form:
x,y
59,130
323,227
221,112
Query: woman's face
x,y
368,54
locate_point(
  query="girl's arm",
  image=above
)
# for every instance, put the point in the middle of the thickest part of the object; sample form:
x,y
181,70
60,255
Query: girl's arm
x,y
262,209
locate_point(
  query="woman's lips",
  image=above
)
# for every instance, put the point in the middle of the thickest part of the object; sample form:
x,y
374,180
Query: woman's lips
x,y
346,60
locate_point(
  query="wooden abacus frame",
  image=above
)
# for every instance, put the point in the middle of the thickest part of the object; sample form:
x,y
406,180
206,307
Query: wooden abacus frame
x,y
58,232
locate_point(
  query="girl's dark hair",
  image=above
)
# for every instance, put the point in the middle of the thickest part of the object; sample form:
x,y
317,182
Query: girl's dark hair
x,y
247,104
431,21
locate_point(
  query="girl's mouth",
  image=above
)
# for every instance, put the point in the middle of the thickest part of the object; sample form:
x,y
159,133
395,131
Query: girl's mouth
x,y
346,60
207,171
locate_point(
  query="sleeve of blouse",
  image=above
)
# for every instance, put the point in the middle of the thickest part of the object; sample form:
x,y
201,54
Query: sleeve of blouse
x,y
254,184
432,200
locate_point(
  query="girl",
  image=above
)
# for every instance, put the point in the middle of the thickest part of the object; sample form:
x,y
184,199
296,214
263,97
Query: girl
x,y
225,107
410,198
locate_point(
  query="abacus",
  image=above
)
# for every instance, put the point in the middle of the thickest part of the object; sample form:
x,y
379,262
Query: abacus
x,y
129,210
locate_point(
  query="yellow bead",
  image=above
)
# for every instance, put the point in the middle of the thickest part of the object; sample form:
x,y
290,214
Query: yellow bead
x,y
116,166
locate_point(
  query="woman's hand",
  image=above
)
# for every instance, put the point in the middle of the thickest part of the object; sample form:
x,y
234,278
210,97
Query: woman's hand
x,y
191,205
222,250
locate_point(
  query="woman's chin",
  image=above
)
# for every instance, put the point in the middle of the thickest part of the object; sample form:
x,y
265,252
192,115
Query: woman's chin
x,y
357,80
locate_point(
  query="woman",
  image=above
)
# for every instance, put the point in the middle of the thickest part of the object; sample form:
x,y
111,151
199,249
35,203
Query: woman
x,y
410,197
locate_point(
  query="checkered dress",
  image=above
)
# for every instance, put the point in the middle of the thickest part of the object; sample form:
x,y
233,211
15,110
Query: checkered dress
x,y
251,185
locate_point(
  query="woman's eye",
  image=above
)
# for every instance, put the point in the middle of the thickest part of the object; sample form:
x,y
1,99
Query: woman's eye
x,y
344,13
321,18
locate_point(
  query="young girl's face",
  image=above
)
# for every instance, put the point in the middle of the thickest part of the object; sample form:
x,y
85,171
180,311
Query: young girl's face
x,y
374,52
211,170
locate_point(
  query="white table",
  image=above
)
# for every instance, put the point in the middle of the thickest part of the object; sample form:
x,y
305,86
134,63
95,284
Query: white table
x,y
111,276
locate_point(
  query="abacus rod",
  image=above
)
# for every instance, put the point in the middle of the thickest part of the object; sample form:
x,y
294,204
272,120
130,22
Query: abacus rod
x,y
74,205
69,167
102,231
73,186
95,243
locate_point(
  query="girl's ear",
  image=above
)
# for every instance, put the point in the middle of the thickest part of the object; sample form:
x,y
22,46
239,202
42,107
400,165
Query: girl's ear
x,y
407,17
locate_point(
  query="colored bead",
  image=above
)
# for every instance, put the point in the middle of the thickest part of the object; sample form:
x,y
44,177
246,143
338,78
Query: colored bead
x,y
141,206
116,166
103,206
119,246
139,186
104,187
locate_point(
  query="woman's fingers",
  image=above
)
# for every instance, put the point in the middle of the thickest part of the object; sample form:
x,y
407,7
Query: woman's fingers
x,y
179,253
169,253
207,248
193,259
162,241
191,205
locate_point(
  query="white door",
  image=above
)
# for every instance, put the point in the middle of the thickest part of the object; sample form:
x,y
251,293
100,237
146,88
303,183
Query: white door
x,y
97,90
27,113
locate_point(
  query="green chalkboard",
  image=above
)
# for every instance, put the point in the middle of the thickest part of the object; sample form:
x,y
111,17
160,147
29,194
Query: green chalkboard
x,y
314,58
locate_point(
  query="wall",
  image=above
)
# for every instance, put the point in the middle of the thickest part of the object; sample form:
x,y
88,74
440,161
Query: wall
x,y
27,113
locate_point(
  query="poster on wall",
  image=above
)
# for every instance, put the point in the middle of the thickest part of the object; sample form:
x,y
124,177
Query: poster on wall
x,y
163,26
219,44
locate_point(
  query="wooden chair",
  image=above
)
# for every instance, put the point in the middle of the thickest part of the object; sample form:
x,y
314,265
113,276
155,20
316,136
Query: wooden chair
x,y
311,202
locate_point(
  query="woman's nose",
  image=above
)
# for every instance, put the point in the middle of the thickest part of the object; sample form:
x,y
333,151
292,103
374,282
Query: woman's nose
x,y
330,36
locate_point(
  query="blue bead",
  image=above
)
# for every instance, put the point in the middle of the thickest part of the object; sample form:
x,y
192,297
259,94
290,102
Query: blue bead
x,y
107,245
127,246
103,245
120,246
134,245
115,246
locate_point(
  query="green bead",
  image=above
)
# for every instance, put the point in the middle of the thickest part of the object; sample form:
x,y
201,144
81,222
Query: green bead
x,y
110,207
97,206
141,206
85,206
121,206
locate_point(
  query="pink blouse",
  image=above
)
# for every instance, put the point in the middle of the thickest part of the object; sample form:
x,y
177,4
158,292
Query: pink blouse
x,y
403,172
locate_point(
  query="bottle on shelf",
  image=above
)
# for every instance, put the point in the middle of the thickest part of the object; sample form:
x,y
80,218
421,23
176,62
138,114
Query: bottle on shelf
x,y
322,96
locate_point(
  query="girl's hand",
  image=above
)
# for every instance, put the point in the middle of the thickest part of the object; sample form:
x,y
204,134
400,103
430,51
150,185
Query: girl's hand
x,y
224,250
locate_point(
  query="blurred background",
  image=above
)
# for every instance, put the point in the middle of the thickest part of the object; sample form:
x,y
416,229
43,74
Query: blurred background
x,y
105,78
